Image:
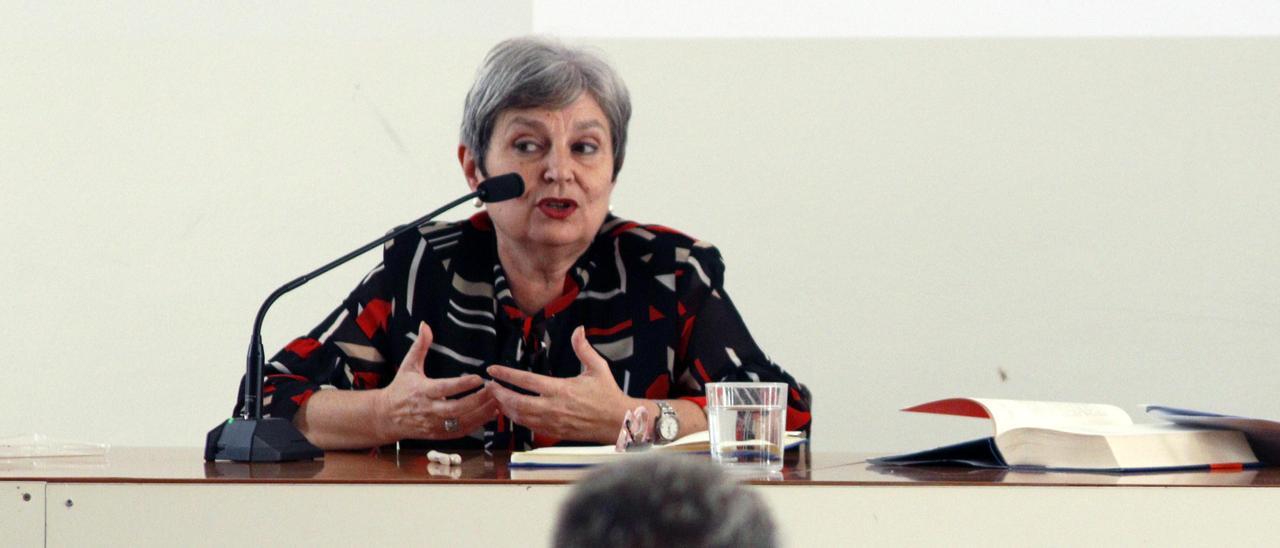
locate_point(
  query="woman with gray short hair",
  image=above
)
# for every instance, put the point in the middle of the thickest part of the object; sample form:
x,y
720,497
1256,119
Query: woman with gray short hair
x,y
579,315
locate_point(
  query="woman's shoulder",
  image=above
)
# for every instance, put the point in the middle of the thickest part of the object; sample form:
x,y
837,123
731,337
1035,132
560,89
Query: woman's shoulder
x,y
662,249
409,239
436,240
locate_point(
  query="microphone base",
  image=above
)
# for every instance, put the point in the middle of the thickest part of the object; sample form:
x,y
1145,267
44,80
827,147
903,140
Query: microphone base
x,y
258,440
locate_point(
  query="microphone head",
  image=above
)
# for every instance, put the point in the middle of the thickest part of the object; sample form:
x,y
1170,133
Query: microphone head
x,y
502,187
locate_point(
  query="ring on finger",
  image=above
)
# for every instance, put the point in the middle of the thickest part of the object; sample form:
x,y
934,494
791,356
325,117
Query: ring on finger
x,y
451,425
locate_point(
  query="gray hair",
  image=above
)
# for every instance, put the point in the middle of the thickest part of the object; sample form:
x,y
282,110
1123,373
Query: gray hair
x,y
663,501
533,72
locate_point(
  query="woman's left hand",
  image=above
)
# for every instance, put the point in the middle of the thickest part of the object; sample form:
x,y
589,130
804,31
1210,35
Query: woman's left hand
x,y
588,407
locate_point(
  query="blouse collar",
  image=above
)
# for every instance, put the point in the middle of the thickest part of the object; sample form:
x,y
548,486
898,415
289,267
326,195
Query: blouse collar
x,y
575,279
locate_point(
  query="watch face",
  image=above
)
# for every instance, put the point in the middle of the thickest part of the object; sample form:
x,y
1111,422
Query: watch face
x,y
668,428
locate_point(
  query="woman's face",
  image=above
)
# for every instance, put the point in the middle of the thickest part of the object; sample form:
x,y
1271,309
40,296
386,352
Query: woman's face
x,y
566,159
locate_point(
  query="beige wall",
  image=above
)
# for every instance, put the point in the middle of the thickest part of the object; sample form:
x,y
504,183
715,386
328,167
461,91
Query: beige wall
x,y
903,220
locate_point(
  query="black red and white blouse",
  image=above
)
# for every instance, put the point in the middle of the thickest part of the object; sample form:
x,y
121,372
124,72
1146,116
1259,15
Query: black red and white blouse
x,y
651,299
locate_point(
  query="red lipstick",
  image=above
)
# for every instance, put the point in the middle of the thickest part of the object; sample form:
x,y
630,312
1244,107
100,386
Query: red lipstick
x,y
557,208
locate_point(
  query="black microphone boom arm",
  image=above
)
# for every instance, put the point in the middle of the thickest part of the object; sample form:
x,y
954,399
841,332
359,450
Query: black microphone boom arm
x,y
250,437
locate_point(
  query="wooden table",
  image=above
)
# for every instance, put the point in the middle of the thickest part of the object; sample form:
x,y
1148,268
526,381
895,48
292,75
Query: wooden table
x,y
170,496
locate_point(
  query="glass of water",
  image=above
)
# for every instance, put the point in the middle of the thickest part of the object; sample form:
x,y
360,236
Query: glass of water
x,y
746,422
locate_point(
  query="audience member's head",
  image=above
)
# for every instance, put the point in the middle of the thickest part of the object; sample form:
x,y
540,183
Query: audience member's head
x,y
663,501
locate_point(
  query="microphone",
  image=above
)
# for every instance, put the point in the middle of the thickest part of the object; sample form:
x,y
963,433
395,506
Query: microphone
x,y
252,438
501,188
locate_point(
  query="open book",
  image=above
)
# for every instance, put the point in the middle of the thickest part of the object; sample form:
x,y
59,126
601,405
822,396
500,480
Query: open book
x,y
697,442
1078,436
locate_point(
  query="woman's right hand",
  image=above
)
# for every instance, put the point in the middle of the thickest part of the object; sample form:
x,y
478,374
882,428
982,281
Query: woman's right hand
x,y
415,406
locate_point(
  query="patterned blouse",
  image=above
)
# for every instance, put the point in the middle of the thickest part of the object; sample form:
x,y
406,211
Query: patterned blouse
x,y
651,300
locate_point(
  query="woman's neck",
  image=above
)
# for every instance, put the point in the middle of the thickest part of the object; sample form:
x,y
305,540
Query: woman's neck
x,y
536,274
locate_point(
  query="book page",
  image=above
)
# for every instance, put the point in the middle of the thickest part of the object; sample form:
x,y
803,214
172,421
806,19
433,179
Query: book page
x,y
1010,414
697,442
1106,430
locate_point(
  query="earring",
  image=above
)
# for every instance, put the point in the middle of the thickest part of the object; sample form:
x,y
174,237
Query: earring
x,y
479,204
